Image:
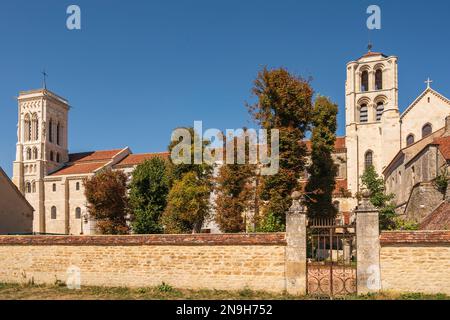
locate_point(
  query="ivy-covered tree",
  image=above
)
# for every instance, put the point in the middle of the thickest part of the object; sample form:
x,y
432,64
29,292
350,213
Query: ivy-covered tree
x,y
284,103
323,170
106,193
149,189
188,205
378,197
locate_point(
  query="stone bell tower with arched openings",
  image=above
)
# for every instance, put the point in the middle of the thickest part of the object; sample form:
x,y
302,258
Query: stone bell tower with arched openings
x,y
372,115
42,146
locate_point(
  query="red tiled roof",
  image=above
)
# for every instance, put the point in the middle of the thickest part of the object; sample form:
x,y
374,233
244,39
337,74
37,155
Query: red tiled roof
x,y
86,162
135,159
439,219
373,54
93,155
79,168
339,145
444,146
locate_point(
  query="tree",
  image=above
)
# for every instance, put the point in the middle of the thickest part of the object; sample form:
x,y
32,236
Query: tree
x,y
188,205
191,183
284,103
149,189
106,193
235,193
323,170
379,198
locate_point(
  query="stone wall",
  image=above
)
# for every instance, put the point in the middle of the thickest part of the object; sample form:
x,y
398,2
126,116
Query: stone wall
x,y
417,261
226,262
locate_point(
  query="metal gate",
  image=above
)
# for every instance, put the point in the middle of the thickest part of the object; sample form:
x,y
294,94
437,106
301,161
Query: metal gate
x,y
331,253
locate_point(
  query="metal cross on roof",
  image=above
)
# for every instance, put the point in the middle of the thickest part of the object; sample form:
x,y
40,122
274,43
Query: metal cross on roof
x,y
429,82
45,78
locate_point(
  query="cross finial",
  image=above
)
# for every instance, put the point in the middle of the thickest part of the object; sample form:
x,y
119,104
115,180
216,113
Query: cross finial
x,y
429,82
370,46
45,79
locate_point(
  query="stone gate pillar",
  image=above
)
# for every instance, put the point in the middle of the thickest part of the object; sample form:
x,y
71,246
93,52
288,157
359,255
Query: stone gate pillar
x,y
296,249
368,247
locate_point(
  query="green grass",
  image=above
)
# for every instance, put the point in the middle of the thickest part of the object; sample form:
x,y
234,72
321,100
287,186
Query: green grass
x,y
167,292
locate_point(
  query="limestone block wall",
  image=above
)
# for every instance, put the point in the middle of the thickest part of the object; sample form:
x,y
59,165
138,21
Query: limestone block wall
x,y
224,262
416,261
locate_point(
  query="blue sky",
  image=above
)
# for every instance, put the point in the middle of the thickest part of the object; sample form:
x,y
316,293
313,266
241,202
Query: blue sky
x,y
138,69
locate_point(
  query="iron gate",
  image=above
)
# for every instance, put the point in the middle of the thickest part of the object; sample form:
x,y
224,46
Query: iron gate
x,y
331,253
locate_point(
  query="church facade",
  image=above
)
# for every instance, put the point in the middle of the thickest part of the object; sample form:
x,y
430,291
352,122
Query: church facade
x,y
51,178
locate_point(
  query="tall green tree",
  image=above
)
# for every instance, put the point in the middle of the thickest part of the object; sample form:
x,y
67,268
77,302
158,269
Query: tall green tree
x,y
323,170
106,193
190,189
235,191
284,103
188,205
149,189
378,197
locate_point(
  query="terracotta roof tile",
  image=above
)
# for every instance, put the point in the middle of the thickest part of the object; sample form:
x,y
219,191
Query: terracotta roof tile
x,y
439,219
79,168
444,146
93,155
135,159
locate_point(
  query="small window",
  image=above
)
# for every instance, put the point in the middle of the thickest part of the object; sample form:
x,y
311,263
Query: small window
x,y
380,110
363,113
35,153
28,154
427,130
77,186
58,129
28,187
368,159
365,81
409,140
57,157
50,131
379,79
78,213
53,213
34,187
52,156
54,187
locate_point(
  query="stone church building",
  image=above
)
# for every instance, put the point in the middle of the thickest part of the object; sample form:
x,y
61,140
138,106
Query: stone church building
x,y
376,134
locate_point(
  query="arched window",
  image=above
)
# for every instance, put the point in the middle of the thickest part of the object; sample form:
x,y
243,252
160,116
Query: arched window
x,y
50,131
379,79
409,139
34,187
53,213
54,187
427,130
77,186
27,127
52,158
28,187
28,154
368,159
35,127
58,129
364,81
78,213
57,157
35,153
363,113
380,110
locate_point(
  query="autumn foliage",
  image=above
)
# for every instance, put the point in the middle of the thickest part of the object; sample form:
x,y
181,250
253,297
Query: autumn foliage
x,y
106,193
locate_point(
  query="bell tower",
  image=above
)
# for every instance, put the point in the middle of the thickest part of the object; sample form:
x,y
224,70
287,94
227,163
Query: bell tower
x,y
372,114
42,145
